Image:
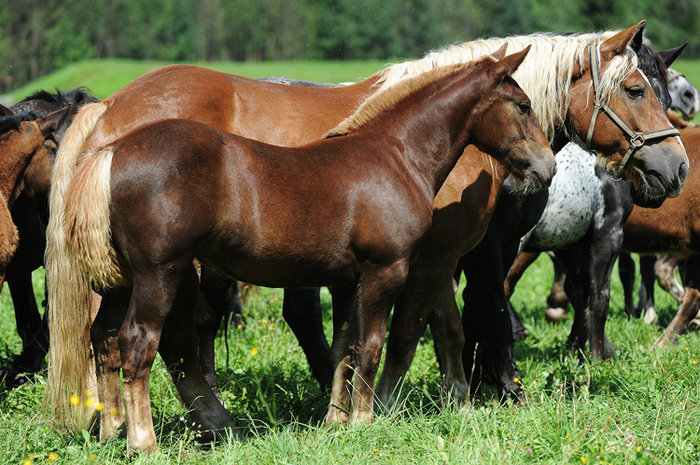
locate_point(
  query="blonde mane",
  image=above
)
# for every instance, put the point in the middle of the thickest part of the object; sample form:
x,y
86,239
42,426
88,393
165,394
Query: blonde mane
x,y
388,96
545,74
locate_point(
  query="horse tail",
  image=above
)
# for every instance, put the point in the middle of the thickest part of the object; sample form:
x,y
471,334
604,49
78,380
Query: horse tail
x,y
69,291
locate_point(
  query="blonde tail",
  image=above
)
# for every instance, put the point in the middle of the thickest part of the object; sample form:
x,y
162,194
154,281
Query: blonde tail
x,y
68,287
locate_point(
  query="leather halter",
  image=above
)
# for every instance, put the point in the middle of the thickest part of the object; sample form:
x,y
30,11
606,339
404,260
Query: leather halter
x,y
674,76
637,139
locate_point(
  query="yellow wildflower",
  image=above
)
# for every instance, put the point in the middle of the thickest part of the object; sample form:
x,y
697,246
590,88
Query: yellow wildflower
x,y
254,351
74,400
52,458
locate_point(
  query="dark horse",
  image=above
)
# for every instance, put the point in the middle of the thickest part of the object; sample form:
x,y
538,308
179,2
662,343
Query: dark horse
x,y
30,216
351,212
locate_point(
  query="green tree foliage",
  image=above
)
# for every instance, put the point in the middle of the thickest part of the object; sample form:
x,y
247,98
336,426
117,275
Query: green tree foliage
x,y
37,37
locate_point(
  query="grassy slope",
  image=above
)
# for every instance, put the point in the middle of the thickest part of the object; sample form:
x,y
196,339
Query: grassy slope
x,y
641,408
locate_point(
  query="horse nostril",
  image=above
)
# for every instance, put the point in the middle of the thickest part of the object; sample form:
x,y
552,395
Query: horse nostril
x,y
683,171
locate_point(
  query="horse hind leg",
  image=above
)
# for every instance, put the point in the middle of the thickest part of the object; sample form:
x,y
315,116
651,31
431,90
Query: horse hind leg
x,y
153,297
690,303
179,350
665,270
104,334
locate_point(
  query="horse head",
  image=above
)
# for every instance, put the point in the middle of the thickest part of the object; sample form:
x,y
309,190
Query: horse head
x,y
510,131
624,122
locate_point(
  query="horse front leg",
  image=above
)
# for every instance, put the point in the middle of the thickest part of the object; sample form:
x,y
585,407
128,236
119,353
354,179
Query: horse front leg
x,y
179,349
344,336
603,254
377,291
302,312
627,271
448,335
429,276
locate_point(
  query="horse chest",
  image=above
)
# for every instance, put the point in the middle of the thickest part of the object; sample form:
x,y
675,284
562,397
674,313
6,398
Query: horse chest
x,y
575,201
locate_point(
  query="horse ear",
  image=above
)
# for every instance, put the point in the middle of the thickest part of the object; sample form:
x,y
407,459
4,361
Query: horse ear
x,y
4,111
617,44
509,64
55,119
670,55
500,53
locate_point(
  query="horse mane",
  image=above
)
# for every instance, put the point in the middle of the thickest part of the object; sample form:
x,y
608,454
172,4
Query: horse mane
x,y
387,97
545,74
78,95
12,122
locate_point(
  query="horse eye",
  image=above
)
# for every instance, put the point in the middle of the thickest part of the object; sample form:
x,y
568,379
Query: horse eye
x,y
524,108
636,92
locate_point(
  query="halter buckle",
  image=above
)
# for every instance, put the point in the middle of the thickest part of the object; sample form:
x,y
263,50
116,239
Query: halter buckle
x,y
637,140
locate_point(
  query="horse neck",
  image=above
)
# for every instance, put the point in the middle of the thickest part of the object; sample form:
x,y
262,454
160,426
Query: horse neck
x,y
12,169
436,131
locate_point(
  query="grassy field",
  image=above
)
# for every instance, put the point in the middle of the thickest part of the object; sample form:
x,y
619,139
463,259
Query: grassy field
x,y
639,408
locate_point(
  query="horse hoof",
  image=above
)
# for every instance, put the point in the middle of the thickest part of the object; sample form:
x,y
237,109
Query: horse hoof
x,y
650,316
12,378
554,315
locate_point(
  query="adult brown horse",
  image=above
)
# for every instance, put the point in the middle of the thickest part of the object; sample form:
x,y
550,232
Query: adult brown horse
x,y
556,74
674,229
351,212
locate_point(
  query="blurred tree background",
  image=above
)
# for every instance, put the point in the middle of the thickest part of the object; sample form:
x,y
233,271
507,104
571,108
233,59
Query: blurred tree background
x,y
40,36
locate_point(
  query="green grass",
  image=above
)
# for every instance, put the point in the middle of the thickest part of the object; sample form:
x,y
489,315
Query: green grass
x,y
640,408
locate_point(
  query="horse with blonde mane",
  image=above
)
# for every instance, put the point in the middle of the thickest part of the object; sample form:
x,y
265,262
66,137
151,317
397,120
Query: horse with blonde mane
x,y
556,74
361,199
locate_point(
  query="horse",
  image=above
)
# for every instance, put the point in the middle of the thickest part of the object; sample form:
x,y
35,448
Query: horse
x,y
290,115
582,222
684,100
30,216
363,210
671,230
514,216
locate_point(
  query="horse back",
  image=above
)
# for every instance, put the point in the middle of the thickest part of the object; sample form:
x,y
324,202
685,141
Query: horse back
x,y
273,113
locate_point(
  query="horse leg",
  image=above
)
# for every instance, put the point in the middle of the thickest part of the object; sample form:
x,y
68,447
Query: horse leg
x,y
602,256
524,260
690,303
216,302
557,301
627,271
576,286
302,312
32,329
665,270
448,335
376,293
646,288
344,335
178,348
104,336
154,293
427,279
486,319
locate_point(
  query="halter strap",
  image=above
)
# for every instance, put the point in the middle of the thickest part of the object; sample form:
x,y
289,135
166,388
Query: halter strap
x,y
675,75
636,139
